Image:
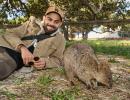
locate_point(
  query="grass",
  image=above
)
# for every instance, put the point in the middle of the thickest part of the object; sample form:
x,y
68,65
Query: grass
x,y
112,59
112,47
68,94
8,94
18,81
44,80
114,97
2,31
109,47
61,70
61,95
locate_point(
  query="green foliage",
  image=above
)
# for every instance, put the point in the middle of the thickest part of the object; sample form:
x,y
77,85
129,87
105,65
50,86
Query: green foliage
x,y
110,47
44,80
79,10
9,95
68,43
37,7
18,20
69,94
61,95
124,35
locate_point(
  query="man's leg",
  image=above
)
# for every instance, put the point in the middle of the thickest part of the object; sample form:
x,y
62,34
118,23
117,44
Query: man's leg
x,y
7,64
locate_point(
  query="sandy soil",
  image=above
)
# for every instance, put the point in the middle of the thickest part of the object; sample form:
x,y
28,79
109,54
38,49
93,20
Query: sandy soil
x,y
24,85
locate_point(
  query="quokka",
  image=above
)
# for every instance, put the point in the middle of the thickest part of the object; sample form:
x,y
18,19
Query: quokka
x,y
80,61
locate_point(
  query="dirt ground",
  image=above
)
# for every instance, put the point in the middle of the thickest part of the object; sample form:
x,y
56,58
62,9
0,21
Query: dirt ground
x,y
24,84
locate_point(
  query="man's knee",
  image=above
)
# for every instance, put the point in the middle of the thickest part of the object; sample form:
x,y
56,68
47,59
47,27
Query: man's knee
x,y
7,64
5,69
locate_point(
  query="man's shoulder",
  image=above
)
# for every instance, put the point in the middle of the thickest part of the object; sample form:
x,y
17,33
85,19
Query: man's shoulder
x,y
60,34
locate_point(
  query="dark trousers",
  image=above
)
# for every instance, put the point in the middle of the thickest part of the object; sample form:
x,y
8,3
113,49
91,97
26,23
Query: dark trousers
x,y
7,64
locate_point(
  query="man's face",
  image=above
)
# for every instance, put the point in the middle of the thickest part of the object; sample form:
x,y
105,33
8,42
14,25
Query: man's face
x,y
52,21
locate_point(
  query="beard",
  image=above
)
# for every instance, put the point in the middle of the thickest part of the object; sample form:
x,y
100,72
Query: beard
x,y
53,28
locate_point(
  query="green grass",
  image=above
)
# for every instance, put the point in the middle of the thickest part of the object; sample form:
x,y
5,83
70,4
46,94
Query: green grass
x,y
44,80
68,94
8,94
61,95
18,81
2,31
114,97
110,47
60,70
112,60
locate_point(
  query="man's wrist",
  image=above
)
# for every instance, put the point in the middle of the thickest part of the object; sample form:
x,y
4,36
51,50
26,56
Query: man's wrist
x,y
20,46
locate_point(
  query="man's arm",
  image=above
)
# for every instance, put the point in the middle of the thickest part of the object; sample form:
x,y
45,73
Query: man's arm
x,y
13,36
55,59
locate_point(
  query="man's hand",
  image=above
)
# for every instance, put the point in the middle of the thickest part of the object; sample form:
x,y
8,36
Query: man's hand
x,y
27,56
40,64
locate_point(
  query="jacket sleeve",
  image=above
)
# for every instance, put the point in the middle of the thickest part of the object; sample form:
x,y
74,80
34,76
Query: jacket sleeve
x,y
13,36
56,58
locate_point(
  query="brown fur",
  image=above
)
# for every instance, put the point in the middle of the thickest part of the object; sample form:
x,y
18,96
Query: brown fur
x,y
32,26
81,62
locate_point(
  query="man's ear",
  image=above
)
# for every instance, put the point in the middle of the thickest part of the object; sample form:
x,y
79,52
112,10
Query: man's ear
x,y
60,24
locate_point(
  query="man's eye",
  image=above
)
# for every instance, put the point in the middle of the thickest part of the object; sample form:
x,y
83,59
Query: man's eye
x,y
49,19
56,22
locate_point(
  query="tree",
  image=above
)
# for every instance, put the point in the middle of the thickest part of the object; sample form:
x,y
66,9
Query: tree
x,y
17,8
76,11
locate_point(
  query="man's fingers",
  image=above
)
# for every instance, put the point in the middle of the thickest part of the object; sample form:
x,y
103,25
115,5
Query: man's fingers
x,y
39,67
39,64
27,56
26,60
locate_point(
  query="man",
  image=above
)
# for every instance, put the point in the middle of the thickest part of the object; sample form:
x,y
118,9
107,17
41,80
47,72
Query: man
x,y
49,50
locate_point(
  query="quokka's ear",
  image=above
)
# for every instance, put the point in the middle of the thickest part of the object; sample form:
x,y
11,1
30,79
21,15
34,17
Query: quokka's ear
x,y
32,19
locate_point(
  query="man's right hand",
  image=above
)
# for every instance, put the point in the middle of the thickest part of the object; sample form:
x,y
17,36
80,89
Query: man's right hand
x,y
27,56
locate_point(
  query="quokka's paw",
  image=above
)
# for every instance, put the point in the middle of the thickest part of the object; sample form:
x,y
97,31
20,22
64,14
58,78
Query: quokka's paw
x,y
92,84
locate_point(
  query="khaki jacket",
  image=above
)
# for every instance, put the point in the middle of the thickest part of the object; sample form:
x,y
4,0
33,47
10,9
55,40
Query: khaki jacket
x,y
50,49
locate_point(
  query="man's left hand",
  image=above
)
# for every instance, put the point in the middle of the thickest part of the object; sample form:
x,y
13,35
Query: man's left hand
x,y
40,64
